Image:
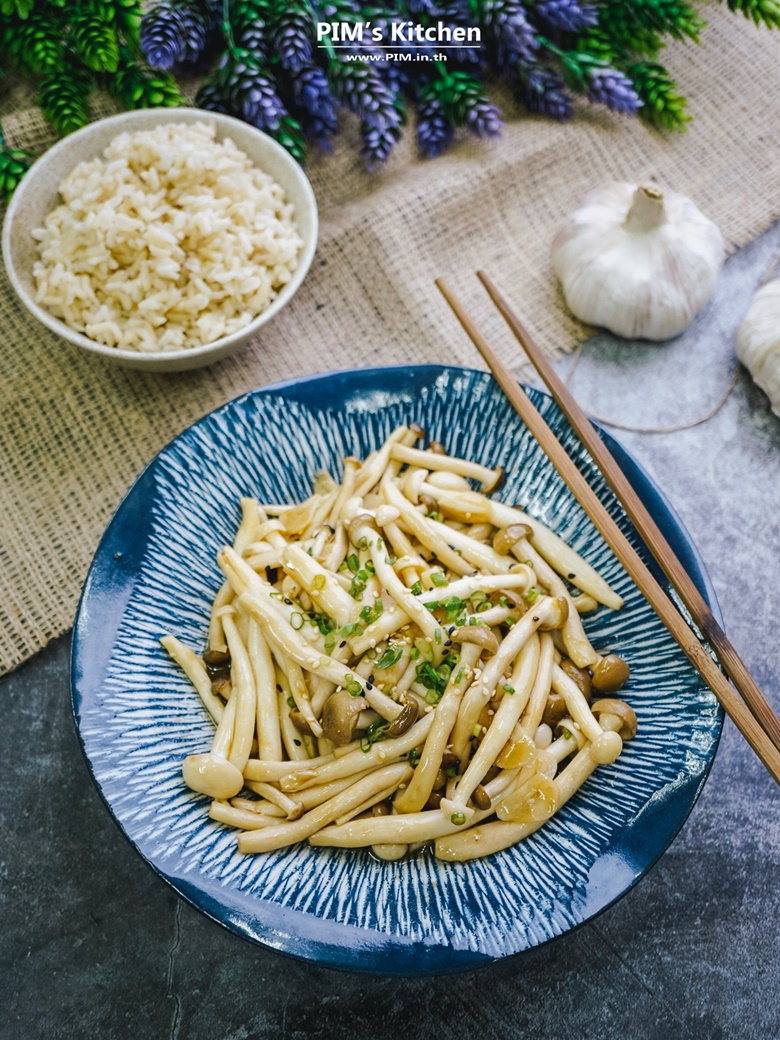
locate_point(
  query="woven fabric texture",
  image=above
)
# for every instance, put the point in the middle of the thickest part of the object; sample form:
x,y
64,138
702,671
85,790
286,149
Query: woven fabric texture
x,y
75,431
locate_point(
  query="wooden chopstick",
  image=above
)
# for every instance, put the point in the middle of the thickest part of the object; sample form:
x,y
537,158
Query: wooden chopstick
x,y
642,520
696,653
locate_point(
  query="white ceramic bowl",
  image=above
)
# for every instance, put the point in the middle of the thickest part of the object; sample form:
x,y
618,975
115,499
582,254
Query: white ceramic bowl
x,y
37,195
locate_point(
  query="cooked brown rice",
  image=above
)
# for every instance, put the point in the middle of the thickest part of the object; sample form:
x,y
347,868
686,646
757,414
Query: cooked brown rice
x,y
171,240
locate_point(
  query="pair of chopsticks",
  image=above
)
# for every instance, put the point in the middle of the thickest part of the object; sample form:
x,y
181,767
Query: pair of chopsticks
x,y
745,705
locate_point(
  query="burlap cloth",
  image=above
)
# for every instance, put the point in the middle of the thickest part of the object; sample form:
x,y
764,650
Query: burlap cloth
x,y
75,431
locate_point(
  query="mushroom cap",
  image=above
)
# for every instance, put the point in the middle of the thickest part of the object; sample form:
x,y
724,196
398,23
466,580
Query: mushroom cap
x,y
480,635
405,719
496,483
340,715
571,727
361,520
555,709
504,539
612,706
212,775
610,674
300,722
556,611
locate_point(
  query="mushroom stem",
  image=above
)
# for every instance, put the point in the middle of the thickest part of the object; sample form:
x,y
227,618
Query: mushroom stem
x,y
244,695
417,792
545,612
269,740
493,837
195,670
577,706
489,478
504,721
278,835
423,530
357,761
211,773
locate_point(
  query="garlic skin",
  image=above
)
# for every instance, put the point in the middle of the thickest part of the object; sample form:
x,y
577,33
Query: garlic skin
x,y
637,261
758,342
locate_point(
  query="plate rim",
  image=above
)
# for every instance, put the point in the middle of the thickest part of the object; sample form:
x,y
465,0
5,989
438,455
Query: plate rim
x,y
376,958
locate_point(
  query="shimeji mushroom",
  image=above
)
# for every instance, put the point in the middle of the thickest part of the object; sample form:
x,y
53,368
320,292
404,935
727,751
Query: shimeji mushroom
x,y
364,528
610,674
394,617
516,693
547,613
356,761
417,792
279,835
492,837
244,693
269,741
551,547
195,670
423,531
515,539
405,828
340,716
489,478
211,773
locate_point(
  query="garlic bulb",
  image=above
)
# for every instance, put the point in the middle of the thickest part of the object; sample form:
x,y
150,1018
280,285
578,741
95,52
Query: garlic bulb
x,y
758,342
637,261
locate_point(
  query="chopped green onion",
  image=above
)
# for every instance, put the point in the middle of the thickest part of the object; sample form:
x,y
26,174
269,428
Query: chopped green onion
x,y
353,562
476,730
319,581
391,560
391,656
508,688
374,733
416,589
459,676
532,595
296,620
439,579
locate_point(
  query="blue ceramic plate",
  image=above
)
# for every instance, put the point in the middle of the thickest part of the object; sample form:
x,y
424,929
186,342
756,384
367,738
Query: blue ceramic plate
x,y
154,572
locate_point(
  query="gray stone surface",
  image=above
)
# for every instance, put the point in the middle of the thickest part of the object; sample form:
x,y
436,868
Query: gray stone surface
x,y
94,944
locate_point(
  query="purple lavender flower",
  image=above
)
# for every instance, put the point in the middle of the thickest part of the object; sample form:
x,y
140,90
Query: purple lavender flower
x,y
361,89
508,22
568,15
609,87
543,92
376,143
320,129
250,92
250,27
292,38
212,99
162,36
434,131
312,93
483,119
